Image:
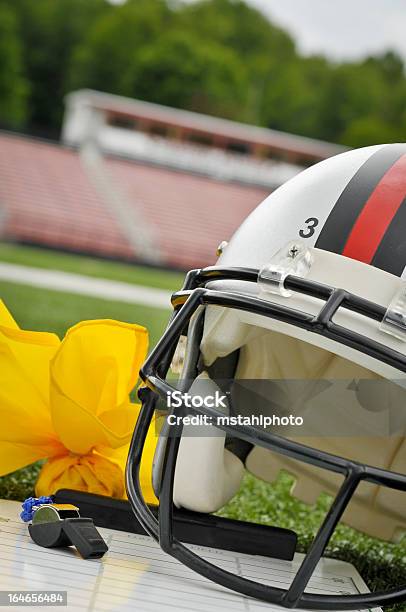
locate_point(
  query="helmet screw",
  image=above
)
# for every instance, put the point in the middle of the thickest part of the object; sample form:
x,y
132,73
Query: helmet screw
x,y
293,251
223,244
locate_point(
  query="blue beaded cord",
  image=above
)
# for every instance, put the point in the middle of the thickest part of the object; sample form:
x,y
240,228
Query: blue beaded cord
x,y
27,506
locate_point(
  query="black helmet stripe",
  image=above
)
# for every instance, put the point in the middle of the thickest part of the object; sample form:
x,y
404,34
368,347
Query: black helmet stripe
x,y
350,204
391,253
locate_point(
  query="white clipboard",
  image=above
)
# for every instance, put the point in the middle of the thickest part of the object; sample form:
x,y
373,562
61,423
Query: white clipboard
x,y
136,575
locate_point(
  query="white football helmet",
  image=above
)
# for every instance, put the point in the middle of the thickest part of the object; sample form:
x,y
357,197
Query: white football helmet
x,y
309,289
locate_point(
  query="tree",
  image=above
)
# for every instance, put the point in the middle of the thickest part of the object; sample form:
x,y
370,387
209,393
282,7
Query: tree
x,y
146,51
13,84
113,42
291,100
369,131
221,57
263,49
236,25
359,93
50,30
182,72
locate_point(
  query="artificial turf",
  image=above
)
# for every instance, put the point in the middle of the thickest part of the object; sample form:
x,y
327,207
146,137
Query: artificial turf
x,y
381,564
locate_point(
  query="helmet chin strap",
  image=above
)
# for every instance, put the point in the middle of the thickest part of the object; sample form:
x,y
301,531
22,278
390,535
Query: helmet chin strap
x,y
207,475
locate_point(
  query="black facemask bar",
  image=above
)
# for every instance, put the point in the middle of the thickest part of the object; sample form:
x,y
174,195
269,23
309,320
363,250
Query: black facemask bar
x,y
194,295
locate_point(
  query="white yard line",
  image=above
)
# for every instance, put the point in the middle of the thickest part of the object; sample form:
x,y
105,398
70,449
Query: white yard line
x,y
85,285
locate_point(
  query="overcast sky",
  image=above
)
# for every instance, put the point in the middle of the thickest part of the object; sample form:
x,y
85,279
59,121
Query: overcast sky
x,y
341,28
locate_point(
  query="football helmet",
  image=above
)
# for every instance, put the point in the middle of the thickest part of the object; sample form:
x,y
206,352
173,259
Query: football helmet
x,y
310,288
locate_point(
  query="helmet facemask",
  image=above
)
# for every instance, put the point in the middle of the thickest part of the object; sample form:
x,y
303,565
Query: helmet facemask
x,y
250,441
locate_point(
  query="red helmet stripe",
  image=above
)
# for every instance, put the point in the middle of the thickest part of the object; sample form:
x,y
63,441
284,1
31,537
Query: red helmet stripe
x,y
377,214
342,218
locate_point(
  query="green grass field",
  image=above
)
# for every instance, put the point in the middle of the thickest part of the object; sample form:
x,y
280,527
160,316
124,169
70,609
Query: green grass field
x,y
54,311
382,565
90,266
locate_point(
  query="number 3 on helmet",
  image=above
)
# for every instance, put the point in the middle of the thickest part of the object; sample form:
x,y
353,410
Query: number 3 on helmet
x,y
309,288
